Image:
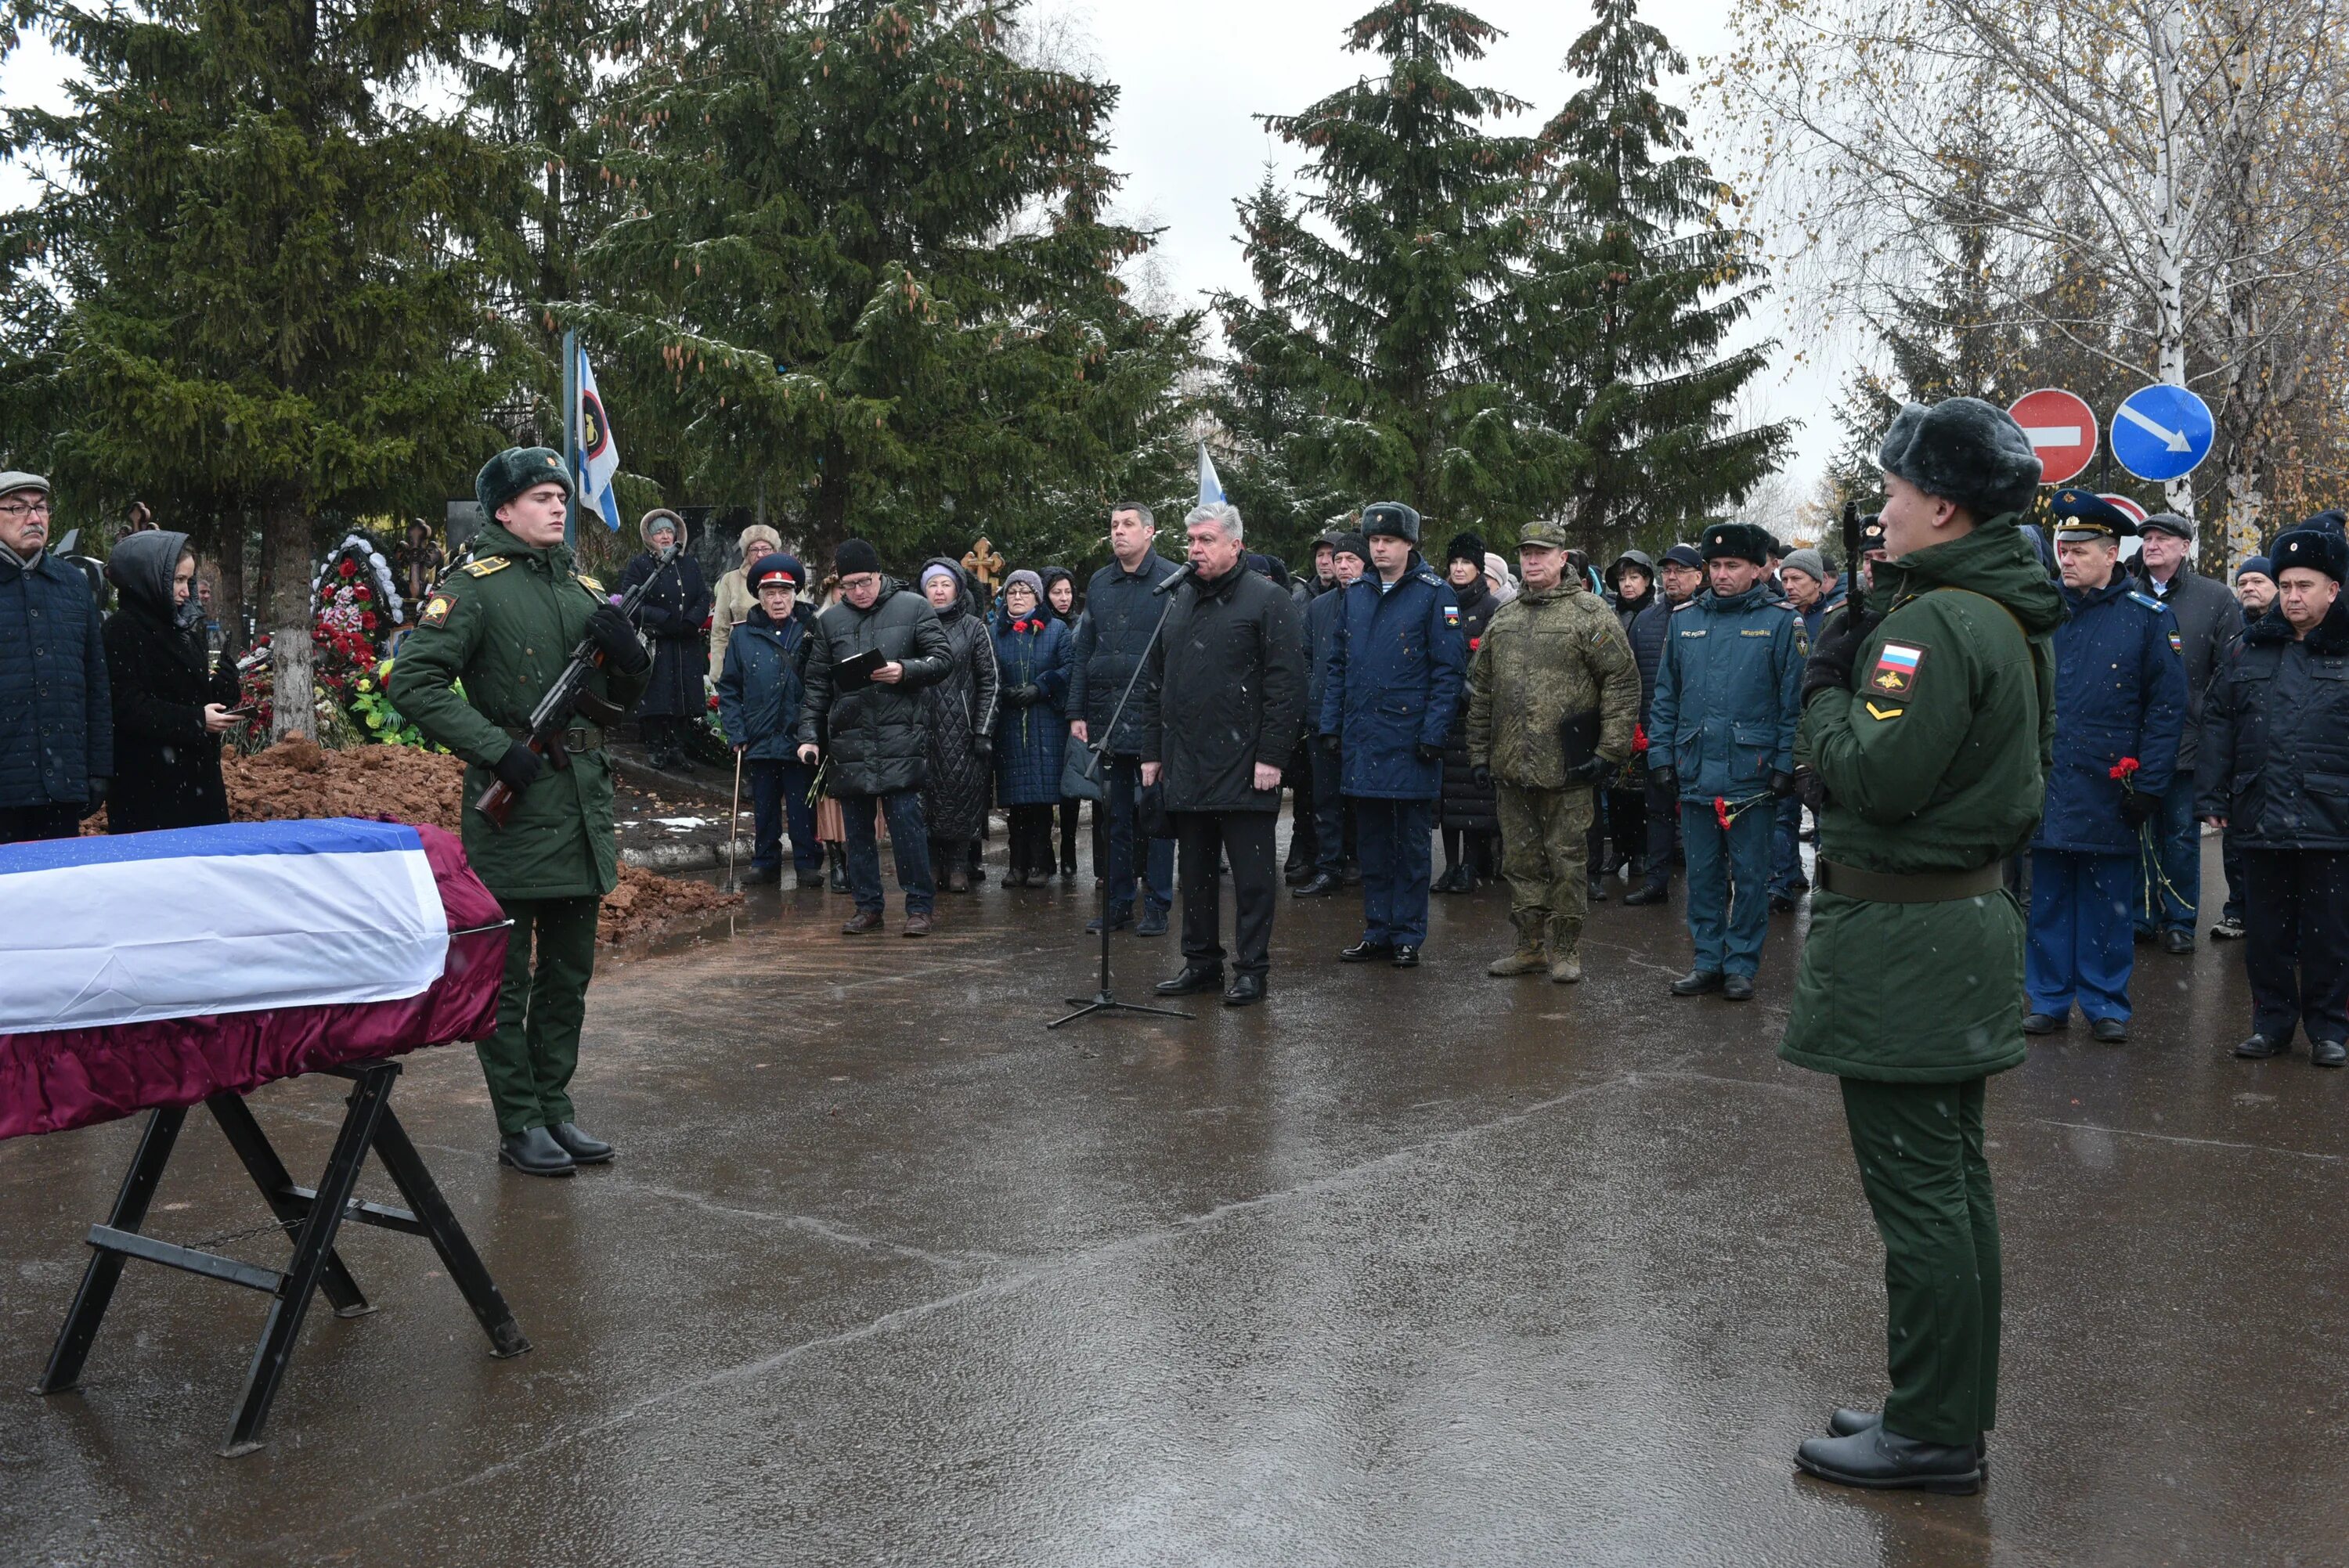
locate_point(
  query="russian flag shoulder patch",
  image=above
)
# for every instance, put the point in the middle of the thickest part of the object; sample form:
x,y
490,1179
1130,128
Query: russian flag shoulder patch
x,y
1897,664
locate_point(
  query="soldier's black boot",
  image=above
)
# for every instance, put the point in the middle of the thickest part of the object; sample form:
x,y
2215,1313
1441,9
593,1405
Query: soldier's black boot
x,y
1697,982
534,1152
583,1150
1882,1460
1844,1421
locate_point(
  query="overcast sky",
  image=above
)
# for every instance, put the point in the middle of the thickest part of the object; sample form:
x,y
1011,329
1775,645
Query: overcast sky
x,y
1193,75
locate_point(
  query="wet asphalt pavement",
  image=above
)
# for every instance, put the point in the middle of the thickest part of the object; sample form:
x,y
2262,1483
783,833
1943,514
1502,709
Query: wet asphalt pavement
x,y
1401,1268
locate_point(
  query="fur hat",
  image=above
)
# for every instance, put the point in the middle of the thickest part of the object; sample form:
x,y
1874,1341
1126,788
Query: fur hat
x,y
1964,450
516,469
658,517
775,567
2317,549
1810,562
1392,519
854,555
1465,547
1737,542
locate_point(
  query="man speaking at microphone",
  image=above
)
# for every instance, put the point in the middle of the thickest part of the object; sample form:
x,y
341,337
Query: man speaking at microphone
x,y
1223,705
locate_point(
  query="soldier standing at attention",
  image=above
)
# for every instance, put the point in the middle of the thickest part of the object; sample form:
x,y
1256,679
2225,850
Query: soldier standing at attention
x,y
505,627
1721,738
1550,656
1931,726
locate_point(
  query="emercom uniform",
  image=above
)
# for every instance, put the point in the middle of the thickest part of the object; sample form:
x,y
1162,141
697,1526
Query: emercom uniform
x,y
505,627
1545,657
1910,987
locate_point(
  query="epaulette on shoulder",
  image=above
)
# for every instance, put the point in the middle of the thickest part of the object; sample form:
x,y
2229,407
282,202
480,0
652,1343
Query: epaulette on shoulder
x,y
2147,600
589,584
488,564
1687,603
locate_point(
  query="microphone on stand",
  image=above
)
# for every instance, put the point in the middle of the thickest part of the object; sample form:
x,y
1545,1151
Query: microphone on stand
x,y
1176,578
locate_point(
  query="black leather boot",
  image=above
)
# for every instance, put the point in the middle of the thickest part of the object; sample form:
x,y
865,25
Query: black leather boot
x,y
1882,1460
534,1152
583,1150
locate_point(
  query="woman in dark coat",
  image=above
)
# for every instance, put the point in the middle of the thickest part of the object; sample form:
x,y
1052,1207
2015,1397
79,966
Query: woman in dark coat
x,y
960,713
1623,810
1032,658
671,618
170,708
1060,603
1471,819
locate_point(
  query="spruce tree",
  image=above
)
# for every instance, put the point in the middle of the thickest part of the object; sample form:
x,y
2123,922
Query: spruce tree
x,y
1402,292
260,276
1637,300
864,261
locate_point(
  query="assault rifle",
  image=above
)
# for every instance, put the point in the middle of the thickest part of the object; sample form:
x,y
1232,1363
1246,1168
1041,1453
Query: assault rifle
x,y
568,695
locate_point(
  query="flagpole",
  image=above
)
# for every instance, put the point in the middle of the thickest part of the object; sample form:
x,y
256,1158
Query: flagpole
x,y
570,433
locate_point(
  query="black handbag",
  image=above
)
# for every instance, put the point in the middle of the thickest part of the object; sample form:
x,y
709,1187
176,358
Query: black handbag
x,y
1082,771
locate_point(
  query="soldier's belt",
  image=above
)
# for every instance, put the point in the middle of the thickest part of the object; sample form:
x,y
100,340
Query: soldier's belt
x,y
1910,887
577,738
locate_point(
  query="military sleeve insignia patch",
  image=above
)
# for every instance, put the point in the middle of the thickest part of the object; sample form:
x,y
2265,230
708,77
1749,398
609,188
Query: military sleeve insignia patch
x,y
2177,645
1451,614
488,564
436,611
1894,674
1881,711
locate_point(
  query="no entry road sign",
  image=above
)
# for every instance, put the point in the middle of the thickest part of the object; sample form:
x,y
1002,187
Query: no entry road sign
x,y
2063,431
2160,433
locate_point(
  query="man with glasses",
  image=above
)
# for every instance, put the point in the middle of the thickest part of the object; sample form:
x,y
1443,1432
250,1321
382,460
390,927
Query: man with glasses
x,y
57,721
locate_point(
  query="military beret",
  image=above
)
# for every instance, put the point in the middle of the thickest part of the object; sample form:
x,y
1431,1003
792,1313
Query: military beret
x,y
1544,534
2084,514
519,469
1392,519
2315,549
1739,541
1962,450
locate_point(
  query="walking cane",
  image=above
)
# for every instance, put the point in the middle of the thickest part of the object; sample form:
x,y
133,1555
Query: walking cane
x,y
733,823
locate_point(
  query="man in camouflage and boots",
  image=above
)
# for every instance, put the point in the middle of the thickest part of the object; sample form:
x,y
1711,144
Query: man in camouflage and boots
x,y
504,626
1550,659
1931,723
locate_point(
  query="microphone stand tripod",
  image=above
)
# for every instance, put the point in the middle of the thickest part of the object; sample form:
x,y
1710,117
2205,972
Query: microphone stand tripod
x,y
1104,1001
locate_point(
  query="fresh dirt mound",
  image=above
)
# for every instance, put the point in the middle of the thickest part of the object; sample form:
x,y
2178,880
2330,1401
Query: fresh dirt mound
x,y
296,779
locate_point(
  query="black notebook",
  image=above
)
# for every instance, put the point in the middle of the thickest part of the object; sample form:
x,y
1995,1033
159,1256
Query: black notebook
x,y
858,671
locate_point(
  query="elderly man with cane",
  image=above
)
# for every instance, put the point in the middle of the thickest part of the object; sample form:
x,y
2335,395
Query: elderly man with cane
x,y
1223,704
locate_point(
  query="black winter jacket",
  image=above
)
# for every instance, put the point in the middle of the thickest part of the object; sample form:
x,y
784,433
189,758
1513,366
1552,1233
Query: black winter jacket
x,y
56,724
874,738
1223,690
1648,631
167,767
2207,615
2275,736
1119,613
1466,804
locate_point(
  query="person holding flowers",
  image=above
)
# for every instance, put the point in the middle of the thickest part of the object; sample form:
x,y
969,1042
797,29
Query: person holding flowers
x,y
2120,707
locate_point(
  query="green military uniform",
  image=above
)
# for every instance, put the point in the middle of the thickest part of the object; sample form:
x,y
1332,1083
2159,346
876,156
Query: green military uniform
x,y
504,626
1545,657
1911,988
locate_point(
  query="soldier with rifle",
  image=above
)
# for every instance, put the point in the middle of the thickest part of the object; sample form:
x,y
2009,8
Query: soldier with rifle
x,y
546,661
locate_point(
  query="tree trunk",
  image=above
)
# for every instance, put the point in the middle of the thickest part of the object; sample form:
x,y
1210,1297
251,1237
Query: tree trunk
x,y
2169,229
285,543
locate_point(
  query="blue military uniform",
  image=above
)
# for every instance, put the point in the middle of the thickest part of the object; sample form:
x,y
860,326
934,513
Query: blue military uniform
x,y
1389,690
1728,697
758,692
2120,692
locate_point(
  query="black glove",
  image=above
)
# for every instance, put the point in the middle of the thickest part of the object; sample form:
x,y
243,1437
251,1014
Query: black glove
x,y
1781,784
982,746
1481,775
616,641
1666,778
97,797
1838,649
1812,789
1587,771
519,768
1329,744
1028,695
1428,753
2138,808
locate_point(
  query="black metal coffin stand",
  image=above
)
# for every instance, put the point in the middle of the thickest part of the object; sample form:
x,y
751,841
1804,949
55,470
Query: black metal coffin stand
x,y
314,1215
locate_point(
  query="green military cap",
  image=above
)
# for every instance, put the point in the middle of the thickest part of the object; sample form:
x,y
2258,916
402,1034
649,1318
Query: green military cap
x,y
516,469
1545,532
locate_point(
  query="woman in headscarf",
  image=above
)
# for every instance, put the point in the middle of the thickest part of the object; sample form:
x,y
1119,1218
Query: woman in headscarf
x,y
1061,600
1032,658
730,600
960,711
670,616
170,708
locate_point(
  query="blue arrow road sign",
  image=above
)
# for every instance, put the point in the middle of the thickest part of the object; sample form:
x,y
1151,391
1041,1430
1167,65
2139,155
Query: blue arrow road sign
x,y
2160,433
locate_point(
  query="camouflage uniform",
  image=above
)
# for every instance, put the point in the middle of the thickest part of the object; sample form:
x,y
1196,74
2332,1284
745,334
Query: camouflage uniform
x,y
1545,657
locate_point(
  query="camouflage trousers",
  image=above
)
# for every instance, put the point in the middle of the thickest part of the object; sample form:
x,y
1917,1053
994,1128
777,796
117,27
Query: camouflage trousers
x,y
1544,855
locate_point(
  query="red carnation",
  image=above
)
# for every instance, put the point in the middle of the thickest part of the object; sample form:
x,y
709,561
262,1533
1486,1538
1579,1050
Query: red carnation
x,y
348,569
1721,811
713,704
1639,738
361,593
367,619
2124,770
1475,644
